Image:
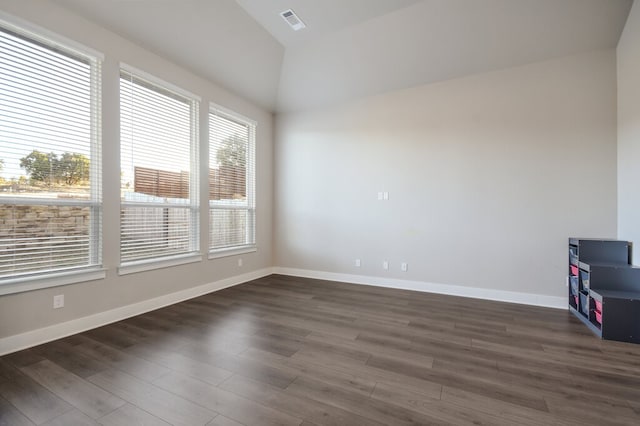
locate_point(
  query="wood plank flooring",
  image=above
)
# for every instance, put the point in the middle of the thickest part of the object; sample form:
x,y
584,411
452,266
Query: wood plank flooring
x,y
293,351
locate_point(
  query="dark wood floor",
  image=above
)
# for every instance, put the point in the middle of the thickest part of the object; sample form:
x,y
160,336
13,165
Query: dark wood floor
x,y
292,351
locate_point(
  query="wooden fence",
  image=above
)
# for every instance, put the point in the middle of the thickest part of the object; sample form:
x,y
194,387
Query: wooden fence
x,y
227,182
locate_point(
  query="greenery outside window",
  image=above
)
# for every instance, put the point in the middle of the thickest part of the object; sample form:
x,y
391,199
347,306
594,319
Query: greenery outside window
x,y
232,201
50,158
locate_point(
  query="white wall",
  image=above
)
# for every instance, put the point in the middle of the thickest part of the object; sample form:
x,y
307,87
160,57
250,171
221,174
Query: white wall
x,y
24,312
629,132
488,176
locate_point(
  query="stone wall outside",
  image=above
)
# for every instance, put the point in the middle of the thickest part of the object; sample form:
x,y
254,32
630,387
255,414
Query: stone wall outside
x,y
35,237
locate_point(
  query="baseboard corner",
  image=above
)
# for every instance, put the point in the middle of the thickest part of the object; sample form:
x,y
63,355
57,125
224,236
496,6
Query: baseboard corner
x,y
39,336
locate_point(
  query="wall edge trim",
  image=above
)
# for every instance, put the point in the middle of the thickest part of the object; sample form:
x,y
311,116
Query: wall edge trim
x,y
39,336
428,287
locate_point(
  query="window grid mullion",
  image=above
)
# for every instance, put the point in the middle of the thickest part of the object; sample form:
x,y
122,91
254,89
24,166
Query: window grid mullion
x,y
159,156
232,180
50,147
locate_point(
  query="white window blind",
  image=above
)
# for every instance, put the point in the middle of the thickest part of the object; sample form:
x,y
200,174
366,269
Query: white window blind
x,y
232,208
50,175
159,170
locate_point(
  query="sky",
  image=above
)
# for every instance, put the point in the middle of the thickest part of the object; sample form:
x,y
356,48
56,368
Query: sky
x,y
60,122
45,105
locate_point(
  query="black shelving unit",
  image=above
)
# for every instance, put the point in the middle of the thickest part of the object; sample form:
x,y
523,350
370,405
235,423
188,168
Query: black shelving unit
x,y
604,288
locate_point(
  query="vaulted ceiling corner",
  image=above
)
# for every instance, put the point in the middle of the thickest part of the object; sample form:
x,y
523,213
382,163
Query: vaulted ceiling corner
x,y
354,48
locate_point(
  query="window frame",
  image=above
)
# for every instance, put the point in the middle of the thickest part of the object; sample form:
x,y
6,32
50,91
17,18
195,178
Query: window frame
x,y
94,269
250,176
194,254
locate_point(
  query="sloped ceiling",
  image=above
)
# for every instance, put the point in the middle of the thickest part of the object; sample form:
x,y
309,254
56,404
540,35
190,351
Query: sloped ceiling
x,y
216,39
320,16
355,48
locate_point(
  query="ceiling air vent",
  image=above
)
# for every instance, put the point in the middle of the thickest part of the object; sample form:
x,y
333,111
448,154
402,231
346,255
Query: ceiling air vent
x,y
293,20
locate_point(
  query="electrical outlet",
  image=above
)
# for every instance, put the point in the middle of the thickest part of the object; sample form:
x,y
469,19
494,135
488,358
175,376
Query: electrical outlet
x,y
357,263
385,195
385,265
404,266
240,262
58,301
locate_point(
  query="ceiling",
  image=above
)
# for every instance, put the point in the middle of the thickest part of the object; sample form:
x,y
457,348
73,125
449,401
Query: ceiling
x,y
320,16
354,48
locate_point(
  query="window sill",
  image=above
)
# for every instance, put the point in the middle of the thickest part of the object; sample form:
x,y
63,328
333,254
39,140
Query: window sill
x,y
216,254
37,282
149,265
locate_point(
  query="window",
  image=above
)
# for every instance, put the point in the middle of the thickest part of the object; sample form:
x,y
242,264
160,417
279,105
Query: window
x,y
50,199
232,209
159,170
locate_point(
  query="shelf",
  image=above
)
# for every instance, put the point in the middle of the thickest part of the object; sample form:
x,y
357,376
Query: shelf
x,y
597,331
617,294
606,280
589,250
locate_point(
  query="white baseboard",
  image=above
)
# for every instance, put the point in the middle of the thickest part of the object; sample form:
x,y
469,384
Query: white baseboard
x,y
43,335
453,290
57,331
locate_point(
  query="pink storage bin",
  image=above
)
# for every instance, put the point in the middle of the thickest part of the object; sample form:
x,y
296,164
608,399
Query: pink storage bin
x,y
574,270
598,305
598,317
